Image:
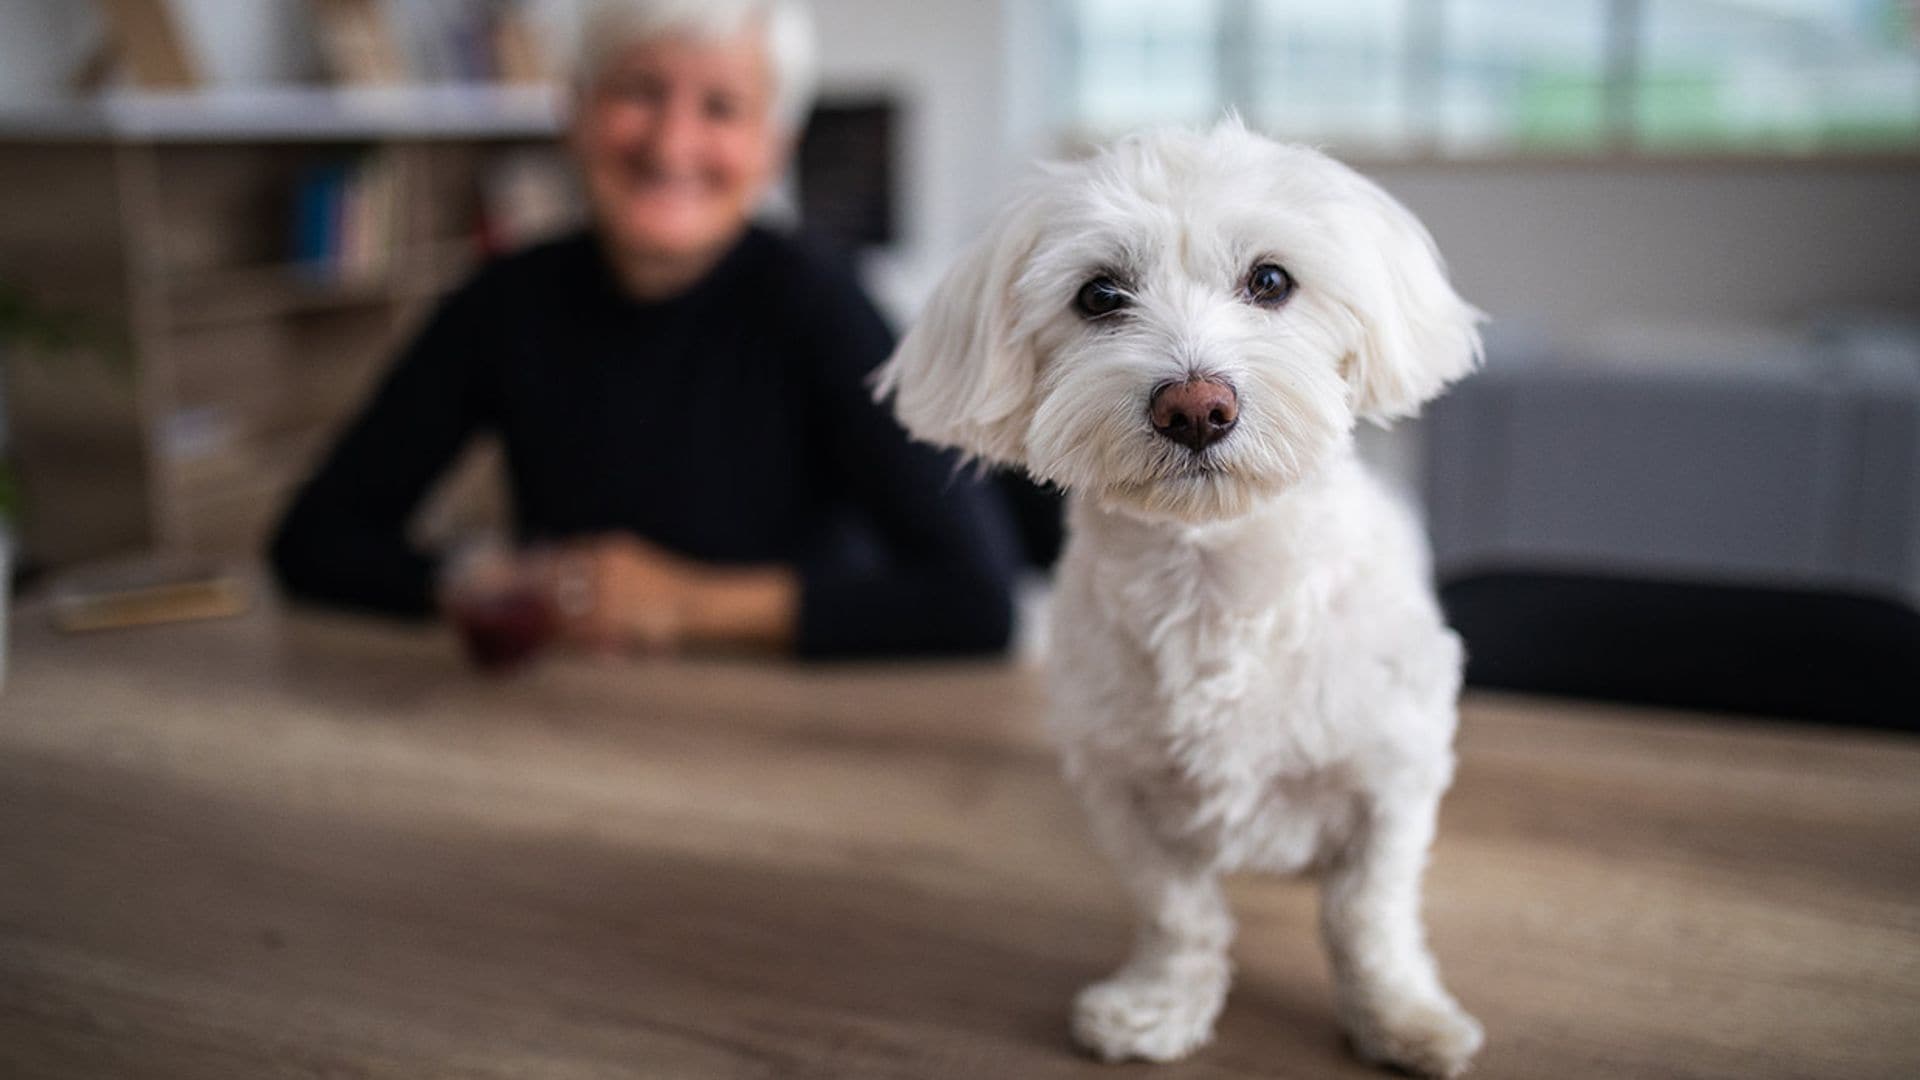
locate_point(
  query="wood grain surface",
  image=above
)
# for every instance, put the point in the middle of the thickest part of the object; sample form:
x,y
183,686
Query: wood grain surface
x,y
314,847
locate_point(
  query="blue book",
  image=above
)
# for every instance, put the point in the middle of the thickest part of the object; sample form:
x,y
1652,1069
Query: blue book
x,y
318,202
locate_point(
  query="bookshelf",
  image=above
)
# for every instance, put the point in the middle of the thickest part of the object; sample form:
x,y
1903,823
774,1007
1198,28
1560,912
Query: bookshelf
x,y
174,220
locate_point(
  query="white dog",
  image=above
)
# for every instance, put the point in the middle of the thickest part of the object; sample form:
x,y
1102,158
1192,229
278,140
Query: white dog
x,y
1250,668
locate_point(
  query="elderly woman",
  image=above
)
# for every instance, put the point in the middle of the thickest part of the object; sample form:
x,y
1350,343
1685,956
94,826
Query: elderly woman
x,y
680,392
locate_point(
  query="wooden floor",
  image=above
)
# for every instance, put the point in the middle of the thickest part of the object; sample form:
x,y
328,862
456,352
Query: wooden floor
x,y
315,848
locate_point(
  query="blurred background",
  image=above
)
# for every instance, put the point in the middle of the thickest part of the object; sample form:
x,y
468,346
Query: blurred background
x,y
1690,473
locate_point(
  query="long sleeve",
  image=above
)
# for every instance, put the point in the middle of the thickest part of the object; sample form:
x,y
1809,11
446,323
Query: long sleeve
x,y
947,586
344,540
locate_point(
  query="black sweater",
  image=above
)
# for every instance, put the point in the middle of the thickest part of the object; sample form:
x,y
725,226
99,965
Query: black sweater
x,y
732,424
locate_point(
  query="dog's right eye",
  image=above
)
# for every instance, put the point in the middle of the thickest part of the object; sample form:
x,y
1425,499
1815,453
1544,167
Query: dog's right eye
x,y
1101,296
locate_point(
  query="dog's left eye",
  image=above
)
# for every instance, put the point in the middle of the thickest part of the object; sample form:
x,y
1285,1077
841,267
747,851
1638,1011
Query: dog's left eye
x,y
1101,296
1269,284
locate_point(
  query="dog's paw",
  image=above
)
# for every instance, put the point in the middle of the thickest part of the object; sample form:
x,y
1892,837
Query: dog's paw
x,y
1427,1038
1153,1019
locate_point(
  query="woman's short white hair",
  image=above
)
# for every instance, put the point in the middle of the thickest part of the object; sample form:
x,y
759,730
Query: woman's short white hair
x,y
611,27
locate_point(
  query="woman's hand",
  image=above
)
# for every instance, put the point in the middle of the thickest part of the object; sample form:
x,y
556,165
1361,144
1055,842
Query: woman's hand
x,y
619,592
616,592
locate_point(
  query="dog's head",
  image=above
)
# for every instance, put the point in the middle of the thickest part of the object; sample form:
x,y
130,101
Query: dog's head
x,y
1183,324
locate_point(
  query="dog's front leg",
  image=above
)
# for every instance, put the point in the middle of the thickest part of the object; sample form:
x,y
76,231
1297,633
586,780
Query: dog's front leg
x,y
1391,999
1161,1004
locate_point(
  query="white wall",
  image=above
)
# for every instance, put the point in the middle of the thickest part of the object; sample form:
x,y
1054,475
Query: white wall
x,y
1622,243
41,43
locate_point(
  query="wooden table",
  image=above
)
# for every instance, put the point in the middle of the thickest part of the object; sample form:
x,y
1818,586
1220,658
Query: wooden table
x,y
314,847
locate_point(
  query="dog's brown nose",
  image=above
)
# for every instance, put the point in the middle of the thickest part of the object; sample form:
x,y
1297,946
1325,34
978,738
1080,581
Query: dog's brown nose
x,y
1196,413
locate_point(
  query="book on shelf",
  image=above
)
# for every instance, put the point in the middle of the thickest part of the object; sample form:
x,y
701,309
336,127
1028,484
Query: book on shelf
x,y
345,220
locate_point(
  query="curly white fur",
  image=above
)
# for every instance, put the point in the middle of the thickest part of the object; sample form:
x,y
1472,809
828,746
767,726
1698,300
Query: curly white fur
x,y
1250,669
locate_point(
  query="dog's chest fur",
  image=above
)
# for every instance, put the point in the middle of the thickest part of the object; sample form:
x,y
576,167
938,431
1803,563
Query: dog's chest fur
x,y
1244,677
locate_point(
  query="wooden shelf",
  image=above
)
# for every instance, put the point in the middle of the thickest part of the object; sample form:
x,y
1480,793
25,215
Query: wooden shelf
x,y
177,212
209,298
297,114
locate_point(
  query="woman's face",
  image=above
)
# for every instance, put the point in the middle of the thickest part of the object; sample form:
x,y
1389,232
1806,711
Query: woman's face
x,y
678,145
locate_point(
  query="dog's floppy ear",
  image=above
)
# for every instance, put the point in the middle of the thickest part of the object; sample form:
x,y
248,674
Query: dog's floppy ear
x,y
964,375
1417,334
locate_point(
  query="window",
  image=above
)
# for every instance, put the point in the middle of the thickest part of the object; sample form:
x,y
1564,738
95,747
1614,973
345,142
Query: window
x,y
1797,75
1521,75
1318,73
1476,77
1141,61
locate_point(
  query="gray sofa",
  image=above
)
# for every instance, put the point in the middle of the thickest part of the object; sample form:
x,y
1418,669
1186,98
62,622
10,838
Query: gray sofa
x,y
1689,519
